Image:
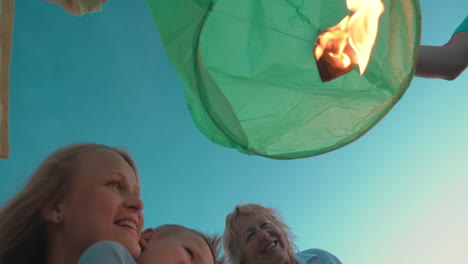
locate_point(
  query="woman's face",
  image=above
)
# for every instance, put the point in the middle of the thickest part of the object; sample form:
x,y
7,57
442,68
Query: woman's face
x,y
103,203
260,241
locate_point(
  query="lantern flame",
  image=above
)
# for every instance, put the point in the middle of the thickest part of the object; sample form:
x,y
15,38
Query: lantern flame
x,y
351,41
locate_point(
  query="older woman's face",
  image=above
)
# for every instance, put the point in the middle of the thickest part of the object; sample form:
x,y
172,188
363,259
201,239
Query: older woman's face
x,y
260,241
103,203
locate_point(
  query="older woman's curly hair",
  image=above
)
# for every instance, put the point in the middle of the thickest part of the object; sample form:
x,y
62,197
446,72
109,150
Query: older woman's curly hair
x,y
230,240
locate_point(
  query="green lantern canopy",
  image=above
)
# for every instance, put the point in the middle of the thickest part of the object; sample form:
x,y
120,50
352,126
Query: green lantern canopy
x,y
252,83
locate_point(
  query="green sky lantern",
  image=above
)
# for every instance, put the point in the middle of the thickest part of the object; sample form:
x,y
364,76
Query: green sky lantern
x,y
252,82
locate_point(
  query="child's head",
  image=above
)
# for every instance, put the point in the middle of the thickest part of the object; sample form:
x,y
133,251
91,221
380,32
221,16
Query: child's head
x,y
174,244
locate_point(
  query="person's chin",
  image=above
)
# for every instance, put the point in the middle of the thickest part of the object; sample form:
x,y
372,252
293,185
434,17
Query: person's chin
x,y
129,239
130,244
275,256
133,248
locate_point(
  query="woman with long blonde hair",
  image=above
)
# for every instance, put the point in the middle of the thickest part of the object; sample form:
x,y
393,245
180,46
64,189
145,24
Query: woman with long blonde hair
x,y
80,195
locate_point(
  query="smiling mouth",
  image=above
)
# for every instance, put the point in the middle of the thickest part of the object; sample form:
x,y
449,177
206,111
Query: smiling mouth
x,y
270,246
128,225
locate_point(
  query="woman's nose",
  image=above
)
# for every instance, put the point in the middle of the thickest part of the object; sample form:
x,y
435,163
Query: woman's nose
x,y
262,234
133,202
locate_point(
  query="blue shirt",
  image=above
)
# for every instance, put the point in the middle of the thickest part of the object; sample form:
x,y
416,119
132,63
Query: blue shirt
x,y
316,256
109,252
106,252
463,26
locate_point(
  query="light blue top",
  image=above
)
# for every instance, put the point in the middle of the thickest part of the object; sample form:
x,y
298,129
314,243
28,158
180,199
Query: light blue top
x,y
109,252
106,252
316,256
463,26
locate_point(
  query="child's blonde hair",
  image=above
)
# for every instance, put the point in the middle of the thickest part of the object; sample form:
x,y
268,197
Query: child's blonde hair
x,y
213,241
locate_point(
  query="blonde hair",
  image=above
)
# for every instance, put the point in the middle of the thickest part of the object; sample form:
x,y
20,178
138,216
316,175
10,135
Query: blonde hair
x,y
230,240
22,227
213,241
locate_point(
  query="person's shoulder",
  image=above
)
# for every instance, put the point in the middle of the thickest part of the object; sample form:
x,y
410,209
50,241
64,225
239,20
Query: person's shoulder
x,y
106,252
317,256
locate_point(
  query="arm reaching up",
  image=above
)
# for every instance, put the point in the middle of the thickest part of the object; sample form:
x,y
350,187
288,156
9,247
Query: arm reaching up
x,y
447,61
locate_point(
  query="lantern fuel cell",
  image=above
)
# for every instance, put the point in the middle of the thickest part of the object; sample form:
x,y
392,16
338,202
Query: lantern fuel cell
x,y
349,42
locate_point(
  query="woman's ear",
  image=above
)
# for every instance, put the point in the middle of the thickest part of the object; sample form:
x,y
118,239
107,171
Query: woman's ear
x,y
52,212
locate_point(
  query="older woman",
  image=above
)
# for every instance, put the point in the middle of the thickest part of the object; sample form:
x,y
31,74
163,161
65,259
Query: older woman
x,y
80,195
256,235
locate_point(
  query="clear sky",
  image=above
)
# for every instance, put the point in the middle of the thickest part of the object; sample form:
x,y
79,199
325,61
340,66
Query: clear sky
x,y
396,195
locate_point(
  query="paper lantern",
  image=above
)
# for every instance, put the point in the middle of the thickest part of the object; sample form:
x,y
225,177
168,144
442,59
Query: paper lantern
x,y
252,80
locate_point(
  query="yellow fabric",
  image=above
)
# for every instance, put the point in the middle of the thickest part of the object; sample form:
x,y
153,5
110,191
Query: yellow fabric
x,y
6,28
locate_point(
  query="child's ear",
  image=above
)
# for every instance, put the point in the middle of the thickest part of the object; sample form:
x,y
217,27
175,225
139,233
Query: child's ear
x,y
146,237
147,234
52,212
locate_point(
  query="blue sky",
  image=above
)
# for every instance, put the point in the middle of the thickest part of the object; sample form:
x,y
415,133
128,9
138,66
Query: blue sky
x,y
396,194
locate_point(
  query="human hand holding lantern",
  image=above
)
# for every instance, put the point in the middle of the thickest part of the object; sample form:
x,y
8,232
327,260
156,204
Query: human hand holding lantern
x,y
80,7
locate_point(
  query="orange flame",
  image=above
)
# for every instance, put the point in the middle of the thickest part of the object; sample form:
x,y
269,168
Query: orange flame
x,y
352,40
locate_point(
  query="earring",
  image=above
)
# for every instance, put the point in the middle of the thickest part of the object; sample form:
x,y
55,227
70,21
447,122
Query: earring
x,y
59,217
